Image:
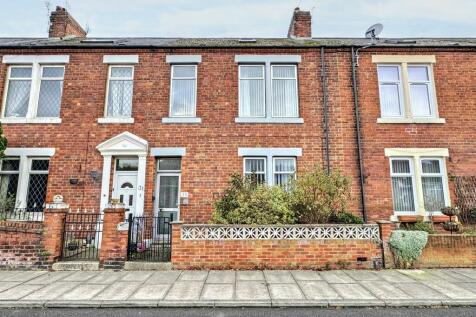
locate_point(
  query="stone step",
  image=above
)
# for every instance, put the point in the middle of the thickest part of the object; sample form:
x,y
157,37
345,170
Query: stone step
x,y
147,266
76,266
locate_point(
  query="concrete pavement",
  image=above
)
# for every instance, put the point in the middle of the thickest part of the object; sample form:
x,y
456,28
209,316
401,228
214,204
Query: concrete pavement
x,y
451,287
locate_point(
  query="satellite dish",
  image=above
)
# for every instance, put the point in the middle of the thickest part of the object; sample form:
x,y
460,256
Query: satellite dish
x,y
373,31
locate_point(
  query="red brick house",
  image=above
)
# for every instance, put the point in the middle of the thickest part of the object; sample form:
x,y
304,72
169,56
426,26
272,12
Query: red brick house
x,y
161,123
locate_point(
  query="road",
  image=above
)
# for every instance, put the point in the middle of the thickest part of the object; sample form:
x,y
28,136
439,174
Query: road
x,y
243,312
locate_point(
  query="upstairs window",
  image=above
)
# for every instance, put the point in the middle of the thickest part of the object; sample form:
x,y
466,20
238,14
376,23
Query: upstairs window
x,y
285,97
119,95
183,91
33,91
252,86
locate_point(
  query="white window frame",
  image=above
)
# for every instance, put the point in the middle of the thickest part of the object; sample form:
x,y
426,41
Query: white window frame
x,y
444,178
36,78
264,159
275,158
400,89
12,158
172,78
412,175
32,172
431,90
109,71
174,173
287,78
263,79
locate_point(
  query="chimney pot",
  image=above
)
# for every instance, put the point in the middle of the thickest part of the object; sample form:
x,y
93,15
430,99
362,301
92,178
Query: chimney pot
x,y
301,24
62,24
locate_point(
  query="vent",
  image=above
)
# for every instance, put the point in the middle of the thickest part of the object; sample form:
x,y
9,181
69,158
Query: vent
x,y
247,40
97,41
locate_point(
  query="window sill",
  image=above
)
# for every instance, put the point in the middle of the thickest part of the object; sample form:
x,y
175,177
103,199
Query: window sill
x,y
270,120
412,120
116,120
181,120
14,120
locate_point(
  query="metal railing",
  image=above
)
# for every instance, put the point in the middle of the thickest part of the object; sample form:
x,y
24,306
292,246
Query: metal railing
x,y
150,239
21,214
82,236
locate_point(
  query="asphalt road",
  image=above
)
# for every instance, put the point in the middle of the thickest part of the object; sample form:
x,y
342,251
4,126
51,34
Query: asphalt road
x,y
245,312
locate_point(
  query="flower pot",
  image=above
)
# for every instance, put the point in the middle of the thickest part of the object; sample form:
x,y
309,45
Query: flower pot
x,y
450,211
452,226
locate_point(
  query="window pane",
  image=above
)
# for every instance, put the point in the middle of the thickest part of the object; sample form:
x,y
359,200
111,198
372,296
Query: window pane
x,y
127,165
285,103
18,96
433,194
169,164
40,165
183,71
388,73
283,179
183,97
20,72
251,72
420,98
284,165
390,100
119,102
401,166
8,186
10,165
403,199
430,166
252,98
49,101
418,73
121,72
254,165
53,72
168,191
37,192
284,72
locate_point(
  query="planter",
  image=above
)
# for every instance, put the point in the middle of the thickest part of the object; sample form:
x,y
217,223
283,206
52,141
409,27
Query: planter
x,y
450,211
452,226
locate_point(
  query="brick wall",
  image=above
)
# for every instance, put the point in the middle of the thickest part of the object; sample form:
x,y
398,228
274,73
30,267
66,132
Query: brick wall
x,y
21,245
448,251
272,254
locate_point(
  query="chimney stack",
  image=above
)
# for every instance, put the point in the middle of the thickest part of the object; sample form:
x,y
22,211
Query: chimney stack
x,y
62,24
301,23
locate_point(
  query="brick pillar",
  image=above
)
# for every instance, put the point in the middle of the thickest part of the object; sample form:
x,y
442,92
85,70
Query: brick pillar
x,y
386,228
113,252
54,217
176,241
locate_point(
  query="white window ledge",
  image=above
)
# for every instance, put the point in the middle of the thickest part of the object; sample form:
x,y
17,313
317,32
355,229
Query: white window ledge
x,y
412,120
181,120
15,120
168,151
116,120
120,59
270,120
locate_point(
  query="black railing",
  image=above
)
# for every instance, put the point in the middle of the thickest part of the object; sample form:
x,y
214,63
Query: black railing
x,y
150,239
21,214
82,236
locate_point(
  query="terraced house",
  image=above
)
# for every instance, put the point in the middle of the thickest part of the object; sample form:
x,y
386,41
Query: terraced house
x,y
161,123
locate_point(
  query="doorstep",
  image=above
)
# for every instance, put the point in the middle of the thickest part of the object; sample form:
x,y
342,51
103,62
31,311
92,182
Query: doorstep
x,y
147,266
75,266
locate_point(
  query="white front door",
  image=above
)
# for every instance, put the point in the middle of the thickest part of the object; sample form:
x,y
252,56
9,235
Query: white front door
x,y
168,187
125,190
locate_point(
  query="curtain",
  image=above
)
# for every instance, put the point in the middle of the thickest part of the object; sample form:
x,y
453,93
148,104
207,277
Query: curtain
x,y
168,192
420,99
183,97
433,194
119,102
252,91
284,171
403,199
389,85
285,99
18,97
256,168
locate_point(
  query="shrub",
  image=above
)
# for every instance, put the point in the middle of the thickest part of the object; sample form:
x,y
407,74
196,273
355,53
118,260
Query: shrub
x,y
246,202
346,218
318,197
420,226
407,246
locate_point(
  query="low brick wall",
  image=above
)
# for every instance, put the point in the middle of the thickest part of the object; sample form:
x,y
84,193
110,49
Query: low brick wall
x,y
287,247
448,251
21,245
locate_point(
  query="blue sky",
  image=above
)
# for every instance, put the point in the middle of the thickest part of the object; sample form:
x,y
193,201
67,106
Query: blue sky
x,y
245,18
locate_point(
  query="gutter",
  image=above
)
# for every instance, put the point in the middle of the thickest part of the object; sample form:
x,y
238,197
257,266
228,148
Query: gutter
x,y
359,137
325,110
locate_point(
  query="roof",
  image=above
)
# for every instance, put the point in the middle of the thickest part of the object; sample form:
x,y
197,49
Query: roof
x,y
152,42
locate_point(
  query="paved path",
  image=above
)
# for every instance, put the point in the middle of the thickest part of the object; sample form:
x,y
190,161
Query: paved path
x,y
453,287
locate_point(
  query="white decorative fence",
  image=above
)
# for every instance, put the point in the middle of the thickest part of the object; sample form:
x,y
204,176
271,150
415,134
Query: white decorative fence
x,y
274,232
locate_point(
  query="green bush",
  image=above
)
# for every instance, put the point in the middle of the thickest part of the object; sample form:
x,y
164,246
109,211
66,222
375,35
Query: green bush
x,y
420,226
346,218
246,202
318,197
407,246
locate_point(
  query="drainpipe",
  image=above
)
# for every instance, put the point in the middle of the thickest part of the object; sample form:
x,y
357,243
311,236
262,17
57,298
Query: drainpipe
x,y
355,63
326,110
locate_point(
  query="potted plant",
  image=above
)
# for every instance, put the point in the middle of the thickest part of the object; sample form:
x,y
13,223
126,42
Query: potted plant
x,y
450,211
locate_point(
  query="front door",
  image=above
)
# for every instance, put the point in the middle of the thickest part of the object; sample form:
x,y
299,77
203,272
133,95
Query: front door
x,y
125,191
168,185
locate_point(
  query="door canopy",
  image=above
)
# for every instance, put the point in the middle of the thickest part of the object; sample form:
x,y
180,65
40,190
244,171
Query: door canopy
x,y
125,143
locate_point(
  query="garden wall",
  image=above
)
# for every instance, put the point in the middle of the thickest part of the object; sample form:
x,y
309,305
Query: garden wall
x,y
448,251
275,247
21,245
